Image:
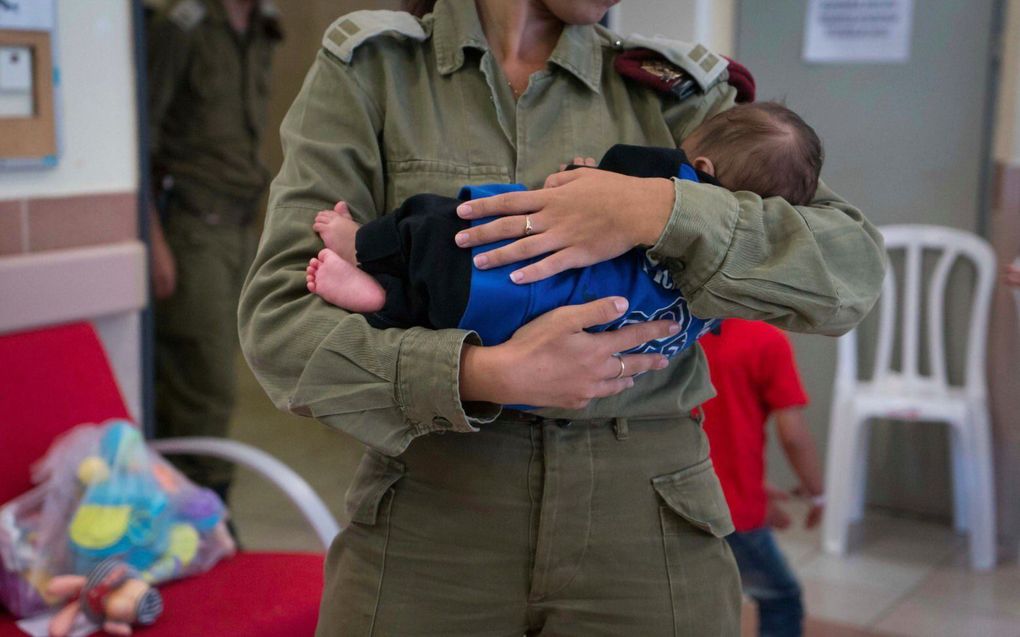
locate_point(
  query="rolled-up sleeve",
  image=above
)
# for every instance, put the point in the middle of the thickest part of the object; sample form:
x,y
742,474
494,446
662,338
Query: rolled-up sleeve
x,y
815,268
384,387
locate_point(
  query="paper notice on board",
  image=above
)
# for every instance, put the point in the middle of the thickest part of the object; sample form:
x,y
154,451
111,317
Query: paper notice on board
x,y
866,31
31,15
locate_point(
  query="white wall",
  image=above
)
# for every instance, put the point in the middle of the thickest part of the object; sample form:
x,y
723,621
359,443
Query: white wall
x,y
709,22
96,104
1007,136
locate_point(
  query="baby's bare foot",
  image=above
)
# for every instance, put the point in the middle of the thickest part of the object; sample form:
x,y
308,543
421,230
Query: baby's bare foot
x,y
337,229
341,283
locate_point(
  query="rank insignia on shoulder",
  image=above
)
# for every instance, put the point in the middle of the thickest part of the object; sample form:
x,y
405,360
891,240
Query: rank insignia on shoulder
x,y
651,69
352,30
187,14
680,68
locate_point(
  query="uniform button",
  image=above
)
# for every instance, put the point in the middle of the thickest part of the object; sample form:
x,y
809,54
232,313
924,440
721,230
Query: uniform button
x,y
617,44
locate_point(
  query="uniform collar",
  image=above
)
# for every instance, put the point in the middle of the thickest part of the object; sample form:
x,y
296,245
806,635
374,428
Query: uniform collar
x,y
579,51
217,12
456,27
263,12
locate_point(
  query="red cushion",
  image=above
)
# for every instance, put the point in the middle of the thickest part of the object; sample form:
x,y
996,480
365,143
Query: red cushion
x,y
50,380
251,594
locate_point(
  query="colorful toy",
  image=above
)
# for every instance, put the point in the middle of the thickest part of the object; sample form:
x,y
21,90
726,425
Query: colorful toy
x,y
101,494
131,509
113,597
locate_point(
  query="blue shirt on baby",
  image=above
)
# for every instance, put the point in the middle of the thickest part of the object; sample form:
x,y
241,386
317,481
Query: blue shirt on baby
x,y
497,307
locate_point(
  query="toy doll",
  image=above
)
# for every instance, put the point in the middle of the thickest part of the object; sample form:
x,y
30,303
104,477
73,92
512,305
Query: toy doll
x,y
113,596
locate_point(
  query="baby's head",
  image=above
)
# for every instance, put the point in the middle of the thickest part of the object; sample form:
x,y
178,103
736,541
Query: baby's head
x,y
762,147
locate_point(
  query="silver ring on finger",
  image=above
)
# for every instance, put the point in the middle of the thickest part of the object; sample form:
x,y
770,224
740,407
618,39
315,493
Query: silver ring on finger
x,y
623,367
528,228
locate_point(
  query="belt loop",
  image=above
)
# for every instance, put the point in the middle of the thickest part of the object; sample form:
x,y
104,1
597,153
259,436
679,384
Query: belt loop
x,y
620,428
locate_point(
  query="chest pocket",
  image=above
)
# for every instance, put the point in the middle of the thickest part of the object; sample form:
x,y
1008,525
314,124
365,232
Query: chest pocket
x,y
413,176
215,70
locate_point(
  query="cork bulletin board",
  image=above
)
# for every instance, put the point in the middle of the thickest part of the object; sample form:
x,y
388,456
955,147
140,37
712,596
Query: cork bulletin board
x,y
31,134
29,125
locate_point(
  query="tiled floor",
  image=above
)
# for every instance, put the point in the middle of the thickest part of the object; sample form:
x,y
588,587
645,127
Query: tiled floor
x,y
905,577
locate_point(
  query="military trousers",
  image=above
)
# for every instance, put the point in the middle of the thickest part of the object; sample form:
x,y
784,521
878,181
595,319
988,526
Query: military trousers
x,y
196,336
537,527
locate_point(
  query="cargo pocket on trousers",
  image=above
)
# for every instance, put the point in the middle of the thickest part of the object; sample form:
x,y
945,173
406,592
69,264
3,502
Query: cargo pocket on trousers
x,y
696,496
375,476
703,580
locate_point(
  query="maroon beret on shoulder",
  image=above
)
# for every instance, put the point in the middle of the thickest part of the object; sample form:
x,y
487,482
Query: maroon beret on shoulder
x,y
742,80
651,69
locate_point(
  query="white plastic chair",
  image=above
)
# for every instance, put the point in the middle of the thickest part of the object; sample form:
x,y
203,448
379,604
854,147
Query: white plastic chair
x,y
907,394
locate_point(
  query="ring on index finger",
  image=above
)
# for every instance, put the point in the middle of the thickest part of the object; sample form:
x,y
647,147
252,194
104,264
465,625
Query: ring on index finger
x,y
528,228
623,367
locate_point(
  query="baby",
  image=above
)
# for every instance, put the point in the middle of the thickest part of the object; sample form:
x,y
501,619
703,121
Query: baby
x,y
404,269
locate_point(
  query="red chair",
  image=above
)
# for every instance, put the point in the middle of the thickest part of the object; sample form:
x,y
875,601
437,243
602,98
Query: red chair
x,y
56,378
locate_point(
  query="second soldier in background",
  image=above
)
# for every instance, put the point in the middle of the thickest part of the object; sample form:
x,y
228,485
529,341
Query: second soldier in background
x,y
208,79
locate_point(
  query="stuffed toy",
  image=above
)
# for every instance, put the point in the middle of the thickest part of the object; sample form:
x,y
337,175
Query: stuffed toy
x,y
113,596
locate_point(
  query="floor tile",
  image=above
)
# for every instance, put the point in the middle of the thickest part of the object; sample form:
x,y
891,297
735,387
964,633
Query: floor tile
x,y
916,618
894,577
262,534
325,458
956,584
849,603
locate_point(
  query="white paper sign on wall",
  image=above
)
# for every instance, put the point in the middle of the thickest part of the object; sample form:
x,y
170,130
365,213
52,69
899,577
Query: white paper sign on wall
x,y
27,15
858,31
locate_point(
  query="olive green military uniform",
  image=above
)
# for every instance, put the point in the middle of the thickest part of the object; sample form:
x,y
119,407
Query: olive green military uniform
x,y
602,522
208,96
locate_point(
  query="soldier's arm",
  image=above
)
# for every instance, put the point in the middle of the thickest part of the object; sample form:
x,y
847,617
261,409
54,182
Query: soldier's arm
x,y
384,387
815,268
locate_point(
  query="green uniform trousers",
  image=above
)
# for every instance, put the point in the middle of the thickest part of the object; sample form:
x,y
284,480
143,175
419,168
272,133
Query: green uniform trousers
x,y
196,336
537,527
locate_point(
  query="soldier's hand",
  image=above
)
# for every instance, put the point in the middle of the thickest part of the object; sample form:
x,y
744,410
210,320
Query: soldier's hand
x,y
581,217
1011,274
553,362
164,268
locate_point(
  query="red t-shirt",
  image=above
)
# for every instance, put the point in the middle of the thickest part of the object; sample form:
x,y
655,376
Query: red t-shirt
x,y
754,373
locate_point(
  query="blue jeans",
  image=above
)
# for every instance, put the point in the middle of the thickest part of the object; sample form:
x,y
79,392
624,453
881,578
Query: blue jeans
x,y
768,580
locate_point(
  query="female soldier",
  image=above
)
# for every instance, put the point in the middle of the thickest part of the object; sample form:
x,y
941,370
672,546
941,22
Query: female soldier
x,y
602,515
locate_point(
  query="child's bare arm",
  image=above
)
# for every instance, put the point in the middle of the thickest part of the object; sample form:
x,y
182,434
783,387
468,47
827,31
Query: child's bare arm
x,y
800,451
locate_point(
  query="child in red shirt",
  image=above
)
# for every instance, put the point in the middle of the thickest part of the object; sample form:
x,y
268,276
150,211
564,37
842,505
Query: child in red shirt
x,y
755,375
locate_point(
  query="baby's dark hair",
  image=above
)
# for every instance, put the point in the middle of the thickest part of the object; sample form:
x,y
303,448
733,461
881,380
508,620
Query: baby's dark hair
x,y
763,147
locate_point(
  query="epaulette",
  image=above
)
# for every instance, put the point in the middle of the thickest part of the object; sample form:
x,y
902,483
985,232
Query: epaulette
x,y
679,68
701,65
187,14
349,31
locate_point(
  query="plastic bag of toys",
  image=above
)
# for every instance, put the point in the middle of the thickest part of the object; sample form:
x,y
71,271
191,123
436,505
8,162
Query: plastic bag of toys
x,y
102,493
